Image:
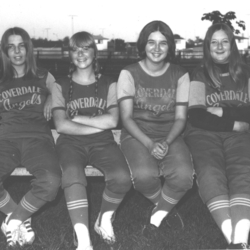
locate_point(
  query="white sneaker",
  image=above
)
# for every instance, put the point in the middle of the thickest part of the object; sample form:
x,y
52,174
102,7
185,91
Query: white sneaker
x,y
108,238
87,248
27,232
75,240
12,235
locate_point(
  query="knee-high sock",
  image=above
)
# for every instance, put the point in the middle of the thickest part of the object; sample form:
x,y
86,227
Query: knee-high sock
x,y
27,206
163,207
77,204
240,214
7,205
220,210
110,202
155,197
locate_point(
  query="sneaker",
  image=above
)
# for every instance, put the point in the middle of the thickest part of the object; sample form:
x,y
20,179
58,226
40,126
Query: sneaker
x,y
12,236
87,248
75,240
174,220
238,246
108,238
27,232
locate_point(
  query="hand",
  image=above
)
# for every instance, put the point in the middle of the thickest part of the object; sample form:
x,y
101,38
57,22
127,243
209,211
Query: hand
x,y
70,114
47,108
158,150
240,126
215,111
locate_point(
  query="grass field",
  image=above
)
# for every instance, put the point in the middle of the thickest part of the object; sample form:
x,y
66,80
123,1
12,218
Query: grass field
x,y
54,230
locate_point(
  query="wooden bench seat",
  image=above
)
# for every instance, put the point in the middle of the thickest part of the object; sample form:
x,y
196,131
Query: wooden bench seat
x,y
89,170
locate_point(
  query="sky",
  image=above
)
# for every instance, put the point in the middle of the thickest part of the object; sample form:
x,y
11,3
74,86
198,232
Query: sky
x,y
56,19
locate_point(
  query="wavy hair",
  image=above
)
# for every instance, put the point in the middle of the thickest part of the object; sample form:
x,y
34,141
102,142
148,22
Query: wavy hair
x,y
9,71
165,31
237,68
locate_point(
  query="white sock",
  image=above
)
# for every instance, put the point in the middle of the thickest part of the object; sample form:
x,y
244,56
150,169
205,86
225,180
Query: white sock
x,y
226,228
106,223
83,237
157,217
241,231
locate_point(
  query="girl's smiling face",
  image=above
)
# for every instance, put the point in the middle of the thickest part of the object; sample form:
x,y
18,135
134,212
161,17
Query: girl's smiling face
x,y
220,48
157,47
16,51
82,56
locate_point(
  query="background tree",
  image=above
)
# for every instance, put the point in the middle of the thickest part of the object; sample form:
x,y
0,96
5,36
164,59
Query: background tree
x,y
118,45
44,43
217,17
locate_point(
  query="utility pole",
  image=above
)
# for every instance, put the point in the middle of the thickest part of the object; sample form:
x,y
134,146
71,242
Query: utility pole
x,y
47,29
72,23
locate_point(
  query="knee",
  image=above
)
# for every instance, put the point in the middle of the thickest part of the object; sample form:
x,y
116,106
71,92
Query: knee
x,y
73,175
181,179
47,184
145,180
119,184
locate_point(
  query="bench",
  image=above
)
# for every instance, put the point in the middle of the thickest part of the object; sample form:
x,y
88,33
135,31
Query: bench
x,y
89,170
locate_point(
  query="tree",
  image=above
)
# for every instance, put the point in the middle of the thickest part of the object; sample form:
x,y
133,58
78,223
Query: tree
x,y
118,45
217,17
65,41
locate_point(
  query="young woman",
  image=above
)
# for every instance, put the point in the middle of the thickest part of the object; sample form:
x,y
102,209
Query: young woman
x,y
153,99
218,135
25,136
85,110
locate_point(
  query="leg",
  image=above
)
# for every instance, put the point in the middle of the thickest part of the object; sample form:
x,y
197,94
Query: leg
x,y
144,169
237,154
73,159
177,170
209,163
9,160
110,160
39,157
220,211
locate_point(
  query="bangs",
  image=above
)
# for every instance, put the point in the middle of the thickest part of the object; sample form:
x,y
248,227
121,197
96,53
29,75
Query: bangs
x,y
82,39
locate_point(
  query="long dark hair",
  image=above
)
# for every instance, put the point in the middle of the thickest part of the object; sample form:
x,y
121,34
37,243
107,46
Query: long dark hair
x,y
9,71
237,68
152,27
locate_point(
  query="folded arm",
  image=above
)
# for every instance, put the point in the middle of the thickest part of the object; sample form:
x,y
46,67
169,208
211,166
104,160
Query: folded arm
x,y
208,120
104,121
65,126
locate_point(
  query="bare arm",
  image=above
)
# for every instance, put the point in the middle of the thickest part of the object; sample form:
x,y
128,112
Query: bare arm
x,y
47,108
179,124
66,126
105,121
50,81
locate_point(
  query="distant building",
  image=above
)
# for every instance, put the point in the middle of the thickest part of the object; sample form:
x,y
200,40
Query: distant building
x,y
242,42
180,42
101,42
